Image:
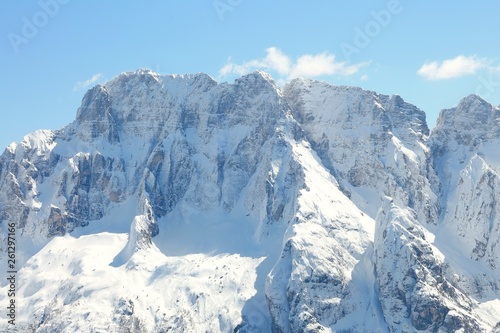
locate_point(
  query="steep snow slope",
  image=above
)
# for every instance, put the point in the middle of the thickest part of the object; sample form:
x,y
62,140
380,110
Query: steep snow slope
x,y
377,147
465,154
374,145
465,141
174,203
322,279
418,288
160,150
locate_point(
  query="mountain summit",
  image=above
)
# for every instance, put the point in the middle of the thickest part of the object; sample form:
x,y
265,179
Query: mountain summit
x,y
174,203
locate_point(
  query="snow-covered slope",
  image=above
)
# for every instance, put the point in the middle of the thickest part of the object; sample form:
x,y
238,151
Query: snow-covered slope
x,y
177,204
465,154
373,144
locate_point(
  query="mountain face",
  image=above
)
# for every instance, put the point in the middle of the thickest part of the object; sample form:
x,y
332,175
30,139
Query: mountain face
x,y
178,204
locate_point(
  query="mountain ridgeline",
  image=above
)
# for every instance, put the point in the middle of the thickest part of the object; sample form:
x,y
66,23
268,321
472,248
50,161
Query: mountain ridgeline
x,y
174,203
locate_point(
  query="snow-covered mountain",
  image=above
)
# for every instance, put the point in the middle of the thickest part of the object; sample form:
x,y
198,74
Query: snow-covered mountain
x,y
178,204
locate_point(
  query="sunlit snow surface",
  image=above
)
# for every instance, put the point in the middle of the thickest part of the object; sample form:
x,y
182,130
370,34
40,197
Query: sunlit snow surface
x,y
315,208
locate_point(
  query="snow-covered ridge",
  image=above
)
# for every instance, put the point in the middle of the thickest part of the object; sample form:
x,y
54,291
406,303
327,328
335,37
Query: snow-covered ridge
x,y
176,203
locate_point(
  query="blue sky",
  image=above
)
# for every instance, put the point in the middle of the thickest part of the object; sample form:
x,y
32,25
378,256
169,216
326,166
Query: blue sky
x,y
430,53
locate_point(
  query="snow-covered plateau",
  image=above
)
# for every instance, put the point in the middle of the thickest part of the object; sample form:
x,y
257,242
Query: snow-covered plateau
x,y
174,203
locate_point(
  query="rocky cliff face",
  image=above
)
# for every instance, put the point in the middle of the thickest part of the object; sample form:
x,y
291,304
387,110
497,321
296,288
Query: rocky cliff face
x,y
174,203
466,160
374,145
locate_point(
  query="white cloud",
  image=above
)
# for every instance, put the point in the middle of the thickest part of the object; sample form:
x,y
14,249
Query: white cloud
x,y
85,84
451,68
278,61
275,60
307,65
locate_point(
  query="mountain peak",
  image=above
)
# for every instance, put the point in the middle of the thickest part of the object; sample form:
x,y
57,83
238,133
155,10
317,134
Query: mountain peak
x,y
473,103
262,74
257,77
471,122
472,113
254,210
149,78
140,74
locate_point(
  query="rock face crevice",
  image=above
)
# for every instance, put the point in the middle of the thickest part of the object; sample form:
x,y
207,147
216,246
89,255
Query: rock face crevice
x,y
315,208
